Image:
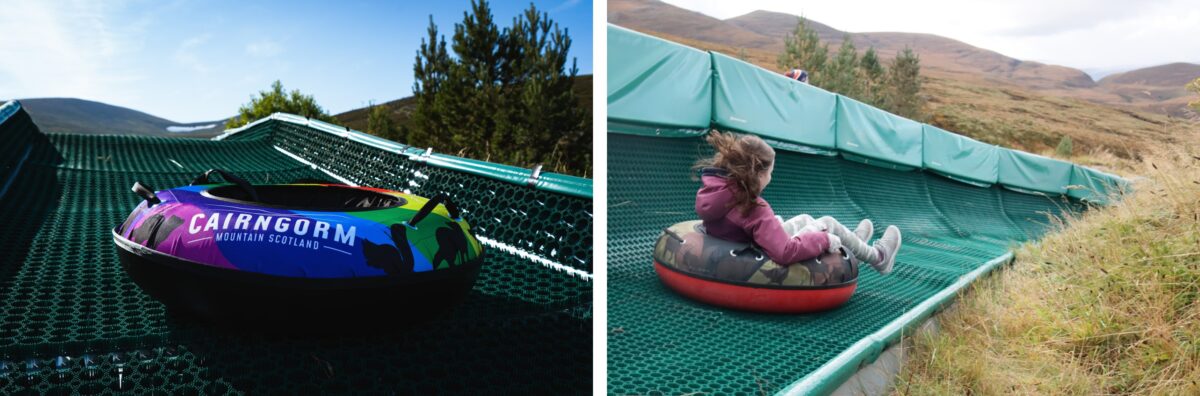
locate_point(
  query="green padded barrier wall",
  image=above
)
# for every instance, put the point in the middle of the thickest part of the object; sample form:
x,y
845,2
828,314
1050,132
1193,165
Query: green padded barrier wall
x,y
9,108
748,98
564,184
525,327
1033,172
959,157
657,84
17,145
1095,186
873,134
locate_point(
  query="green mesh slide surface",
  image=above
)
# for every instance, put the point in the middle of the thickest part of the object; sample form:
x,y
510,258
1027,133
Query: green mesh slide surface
x,y
661,343
525,328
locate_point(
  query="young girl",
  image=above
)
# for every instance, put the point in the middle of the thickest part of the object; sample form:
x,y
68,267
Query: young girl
x,y
731,206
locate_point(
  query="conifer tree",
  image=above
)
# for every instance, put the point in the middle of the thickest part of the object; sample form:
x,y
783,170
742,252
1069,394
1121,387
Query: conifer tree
x,y
904,85
431,71
504,96
473,88
842,74
547,115
803,49
872,78
1065,147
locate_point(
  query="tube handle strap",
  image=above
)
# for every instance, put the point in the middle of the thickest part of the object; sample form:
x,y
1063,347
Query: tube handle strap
x,y
146,193
205,177
428,208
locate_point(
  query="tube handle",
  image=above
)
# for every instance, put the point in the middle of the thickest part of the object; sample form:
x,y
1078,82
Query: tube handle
x,y
229,177
146,193
430,206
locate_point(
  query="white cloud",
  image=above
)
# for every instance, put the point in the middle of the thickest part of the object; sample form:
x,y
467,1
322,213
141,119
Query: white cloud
x,y
263,49
63,49
1093,35
566,5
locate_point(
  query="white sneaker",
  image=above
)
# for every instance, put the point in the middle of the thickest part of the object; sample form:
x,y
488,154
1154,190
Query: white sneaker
x,y
888,246
864,230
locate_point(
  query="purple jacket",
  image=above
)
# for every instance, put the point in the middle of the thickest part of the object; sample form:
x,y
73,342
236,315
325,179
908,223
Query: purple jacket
x,y
759,226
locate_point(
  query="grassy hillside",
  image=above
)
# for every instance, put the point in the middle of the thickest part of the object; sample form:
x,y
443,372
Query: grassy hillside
x,y
401,109
1108,305
1160,88
1018,118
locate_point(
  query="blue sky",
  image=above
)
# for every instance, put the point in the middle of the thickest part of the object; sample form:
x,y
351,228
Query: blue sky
x,y
190,61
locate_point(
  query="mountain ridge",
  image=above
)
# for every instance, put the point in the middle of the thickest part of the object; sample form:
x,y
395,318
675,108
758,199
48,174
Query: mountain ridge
x,y
400,110
940,56
74,115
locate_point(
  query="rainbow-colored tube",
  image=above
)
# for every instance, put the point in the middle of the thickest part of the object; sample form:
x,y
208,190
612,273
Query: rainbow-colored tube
x,y
220,249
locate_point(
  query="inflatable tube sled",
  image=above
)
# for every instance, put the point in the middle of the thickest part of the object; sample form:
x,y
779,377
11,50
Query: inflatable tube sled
x,y
285,251
739,276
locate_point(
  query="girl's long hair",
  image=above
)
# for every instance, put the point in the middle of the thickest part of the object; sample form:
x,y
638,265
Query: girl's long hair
x,y
745,157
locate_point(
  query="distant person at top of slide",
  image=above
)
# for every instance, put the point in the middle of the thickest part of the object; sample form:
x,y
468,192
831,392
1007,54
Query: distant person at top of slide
x,y
797,74
732,208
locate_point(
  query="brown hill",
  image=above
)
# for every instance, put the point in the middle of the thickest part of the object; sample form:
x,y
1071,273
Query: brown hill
x,y
401,109
941,57
765,30
1168,75
1159,88
776,25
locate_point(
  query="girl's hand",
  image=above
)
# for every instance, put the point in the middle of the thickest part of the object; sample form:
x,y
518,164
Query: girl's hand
x,y
835,243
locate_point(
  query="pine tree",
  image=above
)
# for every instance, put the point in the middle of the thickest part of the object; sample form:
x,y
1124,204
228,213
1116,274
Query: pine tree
x,y
1065,147
803,49
474,89
431,71
872,78
548,119
904,86
842,75
505,96
276,100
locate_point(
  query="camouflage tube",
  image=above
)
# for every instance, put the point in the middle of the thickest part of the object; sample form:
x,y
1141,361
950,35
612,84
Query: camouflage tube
x,y
740,276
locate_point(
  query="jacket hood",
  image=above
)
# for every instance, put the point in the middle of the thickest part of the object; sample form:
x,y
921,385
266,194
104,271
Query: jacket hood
x,y
712,201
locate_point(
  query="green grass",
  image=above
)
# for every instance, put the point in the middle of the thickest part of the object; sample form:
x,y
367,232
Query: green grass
x,y
1108,304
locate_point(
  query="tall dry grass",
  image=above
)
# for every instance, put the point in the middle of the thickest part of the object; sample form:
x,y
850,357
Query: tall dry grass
x,y
1106,305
